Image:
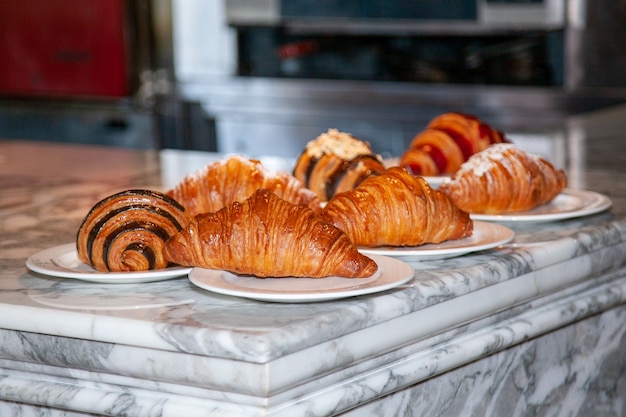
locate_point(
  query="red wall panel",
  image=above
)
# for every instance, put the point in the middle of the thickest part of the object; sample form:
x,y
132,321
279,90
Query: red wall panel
x,y
63,48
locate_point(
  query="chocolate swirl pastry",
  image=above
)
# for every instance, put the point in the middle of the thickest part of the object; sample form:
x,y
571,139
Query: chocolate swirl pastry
x,y
127,231
335,162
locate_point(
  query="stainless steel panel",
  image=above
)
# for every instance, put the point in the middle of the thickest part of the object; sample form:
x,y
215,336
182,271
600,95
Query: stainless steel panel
x,y
277,117
595,47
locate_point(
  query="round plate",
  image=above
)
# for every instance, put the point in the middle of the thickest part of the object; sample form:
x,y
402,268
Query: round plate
x,y
391,273
435,182
569,204
62,261
485,236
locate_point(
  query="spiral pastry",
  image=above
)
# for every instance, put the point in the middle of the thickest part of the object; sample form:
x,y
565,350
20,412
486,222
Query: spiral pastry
x,y
127,231
448,141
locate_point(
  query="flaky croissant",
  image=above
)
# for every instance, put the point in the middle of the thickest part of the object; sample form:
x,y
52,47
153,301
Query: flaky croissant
x,y
503,179
448,141
234,179
127,231
266,236
397,209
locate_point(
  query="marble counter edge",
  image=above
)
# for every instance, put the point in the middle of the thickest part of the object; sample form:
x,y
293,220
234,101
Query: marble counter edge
x,y
430,287
283,369
409,365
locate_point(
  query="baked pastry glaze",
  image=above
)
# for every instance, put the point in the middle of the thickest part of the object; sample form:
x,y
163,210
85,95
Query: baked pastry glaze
x,y
236,178
397,209
266,236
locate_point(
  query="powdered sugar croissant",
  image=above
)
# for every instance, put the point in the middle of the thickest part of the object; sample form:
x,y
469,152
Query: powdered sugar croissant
x,y
503,179
267,236
234,179
396,208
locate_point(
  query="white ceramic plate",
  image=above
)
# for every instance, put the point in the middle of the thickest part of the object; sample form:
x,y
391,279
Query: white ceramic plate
x,y
567,205
485,236
391,273
62,261
435,182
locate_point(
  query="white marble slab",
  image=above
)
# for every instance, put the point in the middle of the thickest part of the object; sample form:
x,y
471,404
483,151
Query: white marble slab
x,y
169,348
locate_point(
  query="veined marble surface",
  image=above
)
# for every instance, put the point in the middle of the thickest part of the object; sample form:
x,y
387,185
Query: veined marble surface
x,y
168,348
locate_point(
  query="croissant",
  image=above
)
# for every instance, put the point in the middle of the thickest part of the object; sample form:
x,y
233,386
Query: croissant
x,y
448,141
502,179
127,231
397,209
335,162
266,236
234,179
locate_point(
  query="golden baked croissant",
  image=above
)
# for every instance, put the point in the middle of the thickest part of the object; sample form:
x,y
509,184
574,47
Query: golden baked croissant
x,y
397,209
127,231
334,162
267,236
234,179
448,141
502,179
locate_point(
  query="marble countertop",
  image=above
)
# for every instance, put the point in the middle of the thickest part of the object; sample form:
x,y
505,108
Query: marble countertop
x,y
244,357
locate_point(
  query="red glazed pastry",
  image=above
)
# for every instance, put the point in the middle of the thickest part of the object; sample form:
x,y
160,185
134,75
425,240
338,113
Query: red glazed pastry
x,y
448,141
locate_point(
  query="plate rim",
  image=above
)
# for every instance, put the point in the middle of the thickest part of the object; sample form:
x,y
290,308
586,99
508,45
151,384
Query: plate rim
x,y
34,263
308,297
425,252
436,180
600,202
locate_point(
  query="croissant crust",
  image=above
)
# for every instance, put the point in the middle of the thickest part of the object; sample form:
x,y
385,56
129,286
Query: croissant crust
x,y
266,236
236,178
504,179
397,209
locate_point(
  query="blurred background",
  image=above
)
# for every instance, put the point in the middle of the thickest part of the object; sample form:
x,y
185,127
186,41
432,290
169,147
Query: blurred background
x,y
263,77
